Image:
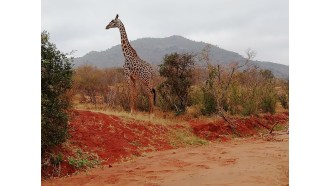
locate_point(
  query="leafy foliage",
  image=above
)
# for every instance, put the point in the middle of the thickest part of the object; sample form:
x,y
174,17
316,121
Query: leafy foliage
x,y
83,160
284,100
284,95
56,72
177,69
209,103
56,159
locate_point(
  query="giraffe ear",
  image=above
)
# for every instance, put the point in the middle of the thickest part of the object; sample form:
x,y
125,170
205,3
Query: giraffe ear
x,y
117,16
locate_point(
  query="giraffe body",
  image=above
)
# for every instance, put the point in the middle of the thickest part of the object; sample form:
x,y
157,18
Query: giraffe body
x,y
135,68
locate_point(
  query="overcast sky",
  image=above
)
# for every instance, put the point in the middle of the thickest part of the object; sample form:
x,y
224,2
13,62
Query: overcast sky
x,y
235,25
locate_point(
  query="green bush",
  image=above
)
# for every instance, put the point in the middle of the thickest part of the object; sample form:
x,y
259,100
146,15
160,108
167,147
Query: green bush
x,y
56,72
284,100
235,96
249,107
83,160
177,71
268,103
56,159
195,96
209,103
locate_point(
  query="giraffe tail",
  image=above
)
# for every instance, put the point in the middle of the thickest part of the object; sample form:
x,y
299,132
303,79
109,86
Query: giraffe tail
x,y
154,92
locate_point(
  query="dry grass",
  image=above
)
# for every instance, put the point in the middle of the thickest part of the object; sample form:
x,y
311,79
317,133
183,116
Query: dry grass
x,y
159,118
139,116
279,108
184,137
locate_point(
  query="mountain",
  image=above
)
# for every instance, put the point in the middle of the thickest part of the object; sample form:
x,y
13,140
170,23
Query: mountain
x,y
153,50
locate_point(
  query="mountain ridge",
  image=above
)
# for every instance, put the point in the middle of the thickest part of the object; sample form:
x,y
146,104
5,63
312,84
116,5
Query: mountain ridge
x,y
153,50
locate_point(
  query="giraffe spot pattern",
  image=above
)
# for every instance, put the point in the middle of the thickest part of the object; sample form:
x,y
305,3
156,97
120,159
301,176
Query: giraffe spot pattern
x,y
134,67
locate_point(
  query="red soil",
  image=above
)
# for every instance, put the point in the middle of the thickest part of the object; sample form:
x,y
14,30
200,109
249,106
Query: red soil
x,y
111,138
114,139
243,126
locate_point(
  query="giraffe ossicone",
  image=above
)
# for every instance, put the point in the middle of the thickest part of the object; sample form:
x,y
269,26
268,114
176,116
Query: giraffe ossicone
x,y
135,68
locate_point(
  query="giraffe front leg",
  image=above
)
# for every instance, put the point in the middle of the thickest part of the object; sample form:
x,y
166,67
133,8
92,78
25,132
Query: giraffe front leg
x,y
133,94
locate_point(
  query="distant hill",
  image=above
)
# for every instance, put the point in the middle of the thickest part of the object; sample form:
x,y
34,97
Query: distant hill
x,y
153,50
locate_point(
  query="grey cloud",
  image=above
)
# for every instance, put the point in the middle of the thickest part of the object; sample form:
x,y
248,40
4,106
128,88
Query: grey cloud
x,y
234,25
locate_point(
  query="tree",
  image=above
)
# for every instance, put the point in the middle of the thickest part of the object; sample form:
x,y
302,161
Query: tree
x,y
220,80
56,72
177,69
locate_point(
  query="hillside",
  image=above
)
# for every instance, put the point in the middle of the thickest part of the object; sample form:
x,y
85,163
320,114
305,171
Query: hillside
x,y
153,50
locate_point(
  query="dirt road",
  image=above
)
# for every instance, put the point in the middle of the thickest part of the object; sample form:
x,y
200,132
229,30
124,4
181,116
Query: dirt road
x,y
237,162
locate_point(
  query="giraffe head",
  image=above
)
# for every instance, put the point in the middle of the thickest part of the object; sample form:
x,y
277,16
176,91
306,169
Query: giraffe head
x,y
114,23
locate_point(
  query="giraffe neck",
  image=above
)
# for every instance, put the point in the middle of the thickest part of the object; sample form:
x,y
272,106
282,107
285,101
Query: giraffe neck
x,y
126,47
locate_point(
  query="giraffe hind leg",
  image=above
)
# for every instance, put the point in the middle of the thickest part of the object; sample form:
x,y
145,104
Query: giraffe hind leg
x,y
154,93
151,103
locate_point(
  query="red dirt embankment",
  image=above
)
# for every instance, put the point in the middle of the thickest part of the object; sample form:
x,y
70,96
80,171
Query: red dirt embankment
x,y
110,137
243,126
113,139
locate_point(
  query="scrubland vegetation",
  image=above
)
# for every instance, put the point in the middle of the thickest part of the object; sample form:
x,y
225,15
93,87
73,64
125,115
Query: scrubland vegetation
x,y
188,86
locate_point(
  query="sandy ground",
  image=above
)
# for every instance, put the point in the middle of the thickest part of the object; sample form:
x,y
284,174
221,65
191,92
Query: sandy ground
x,y
237,162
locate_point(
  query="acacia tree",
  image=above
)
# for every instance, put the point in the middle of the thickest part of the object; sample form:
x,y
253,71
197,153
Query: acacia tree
x,y
177,70
56,72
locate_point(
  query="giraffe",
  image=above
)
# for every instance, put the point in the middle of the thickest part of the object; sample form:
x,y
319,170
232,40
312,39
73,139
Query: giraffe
x,y
135,69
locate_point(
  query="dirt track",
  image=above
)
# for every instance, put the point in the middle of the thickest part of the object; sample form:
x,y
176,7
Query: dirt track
x,y
238,162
